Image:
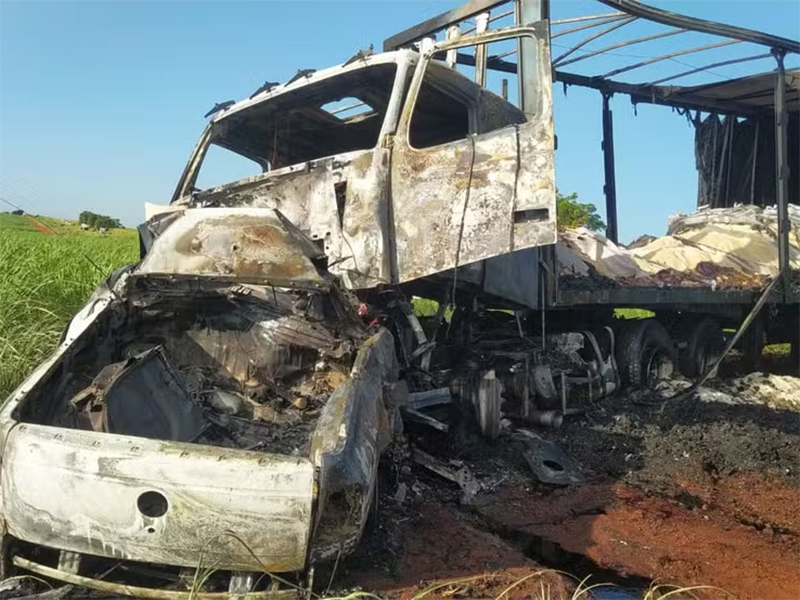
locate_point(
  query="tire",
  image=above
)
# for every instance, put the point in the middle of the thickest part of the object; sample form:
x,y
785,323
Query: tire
x,y
704,344
645,354
752,346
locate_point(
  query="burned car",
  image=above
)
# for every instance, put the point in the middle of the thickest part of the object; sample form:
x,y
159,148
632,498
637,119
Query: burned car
x,y
222,402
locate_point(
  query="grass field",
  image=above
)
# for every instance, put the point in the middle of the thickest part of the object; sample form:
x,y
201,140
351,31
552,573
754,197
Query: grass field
x,y
44,279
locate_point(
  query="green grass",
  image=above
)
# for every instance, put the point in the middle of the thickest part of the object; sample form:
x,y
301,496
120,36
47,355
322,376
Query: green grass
x,y
44,280
15,222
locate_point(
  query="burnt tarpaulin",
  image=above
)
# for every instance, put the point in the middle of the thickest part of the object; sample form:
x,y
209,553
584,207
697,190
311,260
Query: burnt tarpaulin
x,y
736,160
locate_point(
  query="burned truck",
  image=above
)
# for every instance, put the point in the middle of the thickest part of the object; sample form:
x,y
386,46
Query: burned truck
x,y
222,404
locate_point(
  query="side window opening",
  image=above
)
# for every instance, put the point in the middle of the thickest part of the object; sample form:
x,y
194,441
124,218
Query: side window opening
x,y
438,116
450,106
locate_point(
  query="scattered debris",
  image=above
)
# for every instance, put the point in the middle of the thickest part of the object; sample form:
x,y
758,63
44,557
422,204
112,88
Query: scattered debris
x,y
227,402
416,416
548,461
401,492
778,392
546,418
437,397
721,248
456,471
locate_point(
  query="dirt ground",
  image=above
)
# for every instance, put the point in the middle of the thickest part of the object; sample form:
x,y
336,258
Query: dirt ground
x,y
700,493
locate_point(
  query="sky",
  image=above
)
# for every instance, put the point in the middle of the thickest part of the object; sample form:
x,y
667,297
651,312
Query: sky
x,y
101,102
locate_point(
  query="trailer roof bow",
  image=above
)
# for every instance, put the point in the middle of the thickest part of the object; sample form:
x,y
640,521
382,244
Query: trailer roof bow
x,y
637,24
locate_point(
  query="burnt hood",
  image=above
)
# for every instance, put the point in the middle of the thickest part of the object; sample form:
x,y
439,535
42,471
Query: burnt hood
x,y
248,245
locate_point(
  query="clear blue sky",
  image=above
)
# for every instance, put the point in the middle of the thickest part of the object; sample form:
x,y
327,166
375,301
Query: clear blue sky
x,y
101,102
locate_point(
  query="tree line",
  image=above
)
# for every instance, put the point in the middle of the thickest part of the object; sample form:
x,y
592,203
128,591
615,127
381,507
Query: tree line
x,y
96,221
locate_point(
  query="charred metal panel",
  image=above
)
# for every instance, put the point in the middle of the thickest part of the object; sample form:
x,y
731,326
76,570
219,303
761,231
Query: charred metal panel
x,y
352,224
454,203
258,340
307,198
481,197
535,206
145,397
364,260
98,493
246,244
514,277
346,446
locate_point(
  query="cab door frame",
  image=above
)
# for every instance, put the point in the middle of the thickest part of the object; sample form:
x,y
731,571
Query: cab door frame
x,y
482,196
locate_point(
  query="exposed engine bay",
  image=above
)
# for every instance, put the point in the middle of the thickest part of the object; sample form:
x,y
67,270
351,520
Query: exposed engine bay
x,y
241,372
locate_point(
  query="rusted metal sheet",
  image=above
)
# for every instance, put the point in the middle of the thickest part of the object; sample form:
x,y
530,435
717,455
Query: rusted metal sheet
x,y
244,244
88,492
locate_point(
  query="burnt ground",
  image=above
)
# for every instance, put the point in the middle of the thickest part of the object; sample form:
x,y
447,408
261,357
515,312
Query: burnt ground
x,y
698,492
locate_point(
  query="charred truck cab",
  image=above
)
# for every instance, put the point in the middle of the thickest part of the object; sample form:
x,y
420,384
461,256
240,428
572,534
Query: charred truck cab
x,y
432,172
223,403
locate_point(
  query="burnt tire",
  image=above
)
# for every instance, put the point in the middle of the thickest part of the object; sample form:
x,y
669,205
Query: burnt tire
x,y
705,342
645,354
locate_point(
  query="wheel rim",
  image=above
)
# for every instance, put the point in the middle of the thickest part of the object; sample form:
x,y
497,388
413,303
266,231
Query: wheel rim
x,y
708,354
654,366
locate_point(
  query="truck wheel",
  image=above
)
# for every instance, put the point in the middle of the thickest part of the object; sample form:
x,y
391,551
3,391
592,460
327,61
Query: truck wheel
x,y
645,354
752,345
704,344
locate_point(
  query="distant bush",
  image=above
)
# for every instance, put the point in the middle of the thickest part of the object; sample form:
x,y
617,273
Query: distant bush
x,y
572,214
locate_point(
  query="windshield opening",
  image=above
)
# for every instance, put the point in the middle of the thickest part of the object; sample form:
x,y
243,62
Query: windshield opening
x,y
304,124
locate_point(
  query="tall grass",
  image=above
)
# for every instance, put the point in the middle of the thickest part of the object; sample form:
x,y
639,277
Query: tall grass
x,y
44,280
